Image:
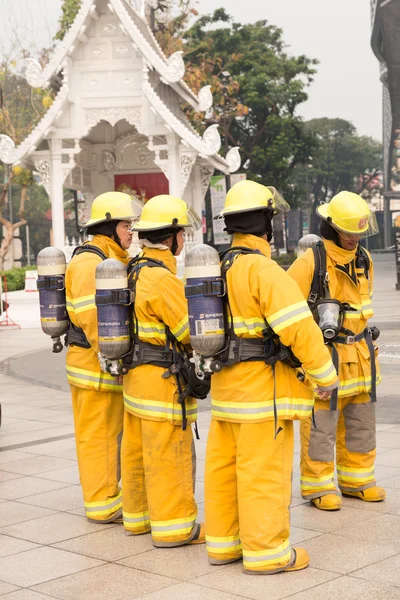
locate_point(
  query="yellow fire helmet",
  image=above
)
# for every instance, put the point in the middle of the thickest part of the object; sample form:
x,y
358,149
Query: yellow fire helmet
x,y
349,213
114,206
246,196
163,212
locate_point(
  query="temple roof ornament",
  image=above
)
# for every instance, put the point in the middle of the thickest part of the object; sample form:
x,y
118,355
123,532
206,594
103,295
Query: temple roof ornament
x,y
171,69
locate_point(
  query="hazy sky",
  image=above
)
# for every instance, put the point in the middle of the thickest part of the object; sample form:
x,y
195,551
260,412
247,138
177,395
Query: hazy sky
x,y
336,32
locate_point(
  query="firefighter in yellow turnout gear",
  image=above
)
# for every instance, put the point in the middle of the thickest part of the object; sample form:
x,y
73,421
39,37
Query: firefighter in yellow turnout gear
x,y
97,397
250,444
158,457
351,425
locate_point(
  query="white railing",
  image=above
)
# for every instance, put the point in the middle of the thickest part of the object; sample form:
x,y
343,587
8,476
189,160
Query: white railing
x,y
70,245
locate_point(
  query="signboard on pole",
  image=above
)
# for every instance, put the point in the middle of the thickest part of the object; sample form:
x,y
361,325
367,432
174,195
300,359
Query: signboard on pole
x,y
218,193
236,177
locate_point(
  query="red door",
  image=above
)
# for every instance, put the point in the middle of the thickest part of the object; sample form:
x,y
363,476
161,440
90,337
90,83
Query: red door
x,y
145,185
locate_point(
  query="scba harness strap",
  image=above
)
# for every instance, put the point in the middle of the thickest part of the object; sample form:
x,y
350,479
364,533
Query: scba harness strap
x,y
320,291
269,348
173,356
75,335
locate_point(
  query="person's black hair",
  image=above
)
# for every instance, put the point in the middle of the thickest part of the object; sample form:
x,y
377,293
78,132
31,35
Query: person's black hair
x,y
329,233
161,235
255,222
107,228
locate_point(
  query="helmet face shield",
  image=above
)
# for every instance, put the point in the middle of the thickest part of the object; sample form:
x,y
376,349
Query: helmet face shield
x,y
279,203
194,221
366,226
349,214
137,207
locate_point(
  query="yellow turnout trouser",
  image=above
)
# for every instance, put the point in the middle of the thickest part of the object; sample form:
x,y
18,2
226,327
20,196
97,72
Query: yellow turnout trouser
x,y
98,419
352,428
247,494
158,475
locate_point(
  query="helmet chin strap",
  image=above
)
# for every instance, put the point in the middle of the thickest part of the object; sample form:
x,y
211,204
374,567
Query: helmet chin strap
x,y
115,234
174,245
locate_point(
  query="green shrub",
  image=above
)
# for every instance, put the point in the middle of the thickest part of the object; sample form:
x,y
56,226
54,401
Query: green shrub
x,y
16,278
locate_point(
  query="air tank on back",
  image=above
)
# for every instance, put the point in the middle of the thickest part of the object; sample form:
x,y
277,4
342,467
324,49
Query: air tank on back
x,y
112,301
204,292
51,266
307,241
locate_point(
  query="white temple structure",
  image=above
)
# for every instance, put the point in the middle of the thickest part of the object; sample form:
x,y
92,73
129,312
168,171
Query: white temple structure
x,y
116,118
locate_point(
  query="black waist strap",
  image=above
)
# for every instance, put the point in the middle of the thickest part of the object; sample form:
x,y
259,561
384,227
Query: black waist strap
x,y
149,354
352,339
242,349
75,336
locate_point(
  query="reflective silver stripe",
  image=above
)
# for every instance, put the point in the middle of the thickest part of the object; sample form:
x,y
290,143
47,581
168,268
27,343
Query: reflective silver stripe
x,y
262,557
316,483
355,384
113,504
261,409
330,370
170,410
181,331
143,329
82,303
358,475
94,378
222,544
175,527
249,326
289,315
137,520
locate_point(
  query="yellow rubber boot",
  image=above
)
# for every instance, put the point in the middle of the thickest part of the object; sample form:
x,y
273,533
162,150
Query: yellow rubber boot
x,y
301,561
373,494
328,502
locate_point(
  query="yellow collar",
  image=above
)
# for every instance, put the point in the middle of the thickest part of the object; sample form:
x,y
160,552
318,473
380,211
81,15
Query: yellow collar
x,y
165,256
110,248
252,241
339,255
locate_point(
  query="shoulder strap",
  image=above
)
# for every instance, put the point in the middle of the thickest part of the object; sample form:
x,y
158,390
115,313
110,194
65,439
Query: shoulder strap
x,y
229,256
90,248
363,261
319,282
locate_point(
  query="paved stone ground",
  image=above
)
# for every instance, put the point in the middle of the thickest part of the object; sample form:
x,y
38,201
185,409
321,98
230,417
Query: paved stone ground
x,y
49,550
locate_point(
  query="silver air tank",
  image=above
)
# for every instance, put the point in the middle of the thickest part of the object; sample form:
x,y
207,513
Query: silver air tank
x,y
205,300
51,266
112,301
307,241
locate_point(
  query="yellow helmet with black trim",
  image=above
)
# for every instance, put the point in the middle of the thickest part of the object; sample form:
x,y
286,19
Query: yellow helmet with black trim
x,y
164,212
114,206
246,196
349,213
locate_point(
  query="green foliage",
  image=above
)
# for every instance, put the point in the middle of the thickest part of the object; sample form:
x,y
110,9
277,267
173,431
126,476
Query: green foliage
x,y
270,83
340,160
16,278
69,10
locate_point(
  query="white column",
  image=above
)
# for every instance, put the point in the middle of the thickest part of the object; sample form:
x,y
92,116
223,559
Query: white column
x,y
174,165
56,193
198,200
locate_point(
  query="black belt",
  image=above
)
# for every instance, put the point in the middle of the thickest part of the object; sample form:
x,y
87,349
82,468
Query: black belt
x,y
149,354
352,339
242,350
75,336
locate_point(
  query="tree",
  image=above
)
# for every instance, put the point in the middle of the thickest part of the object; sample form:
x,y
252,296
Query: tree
x,y
257,89
20,109
69,10
341,160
